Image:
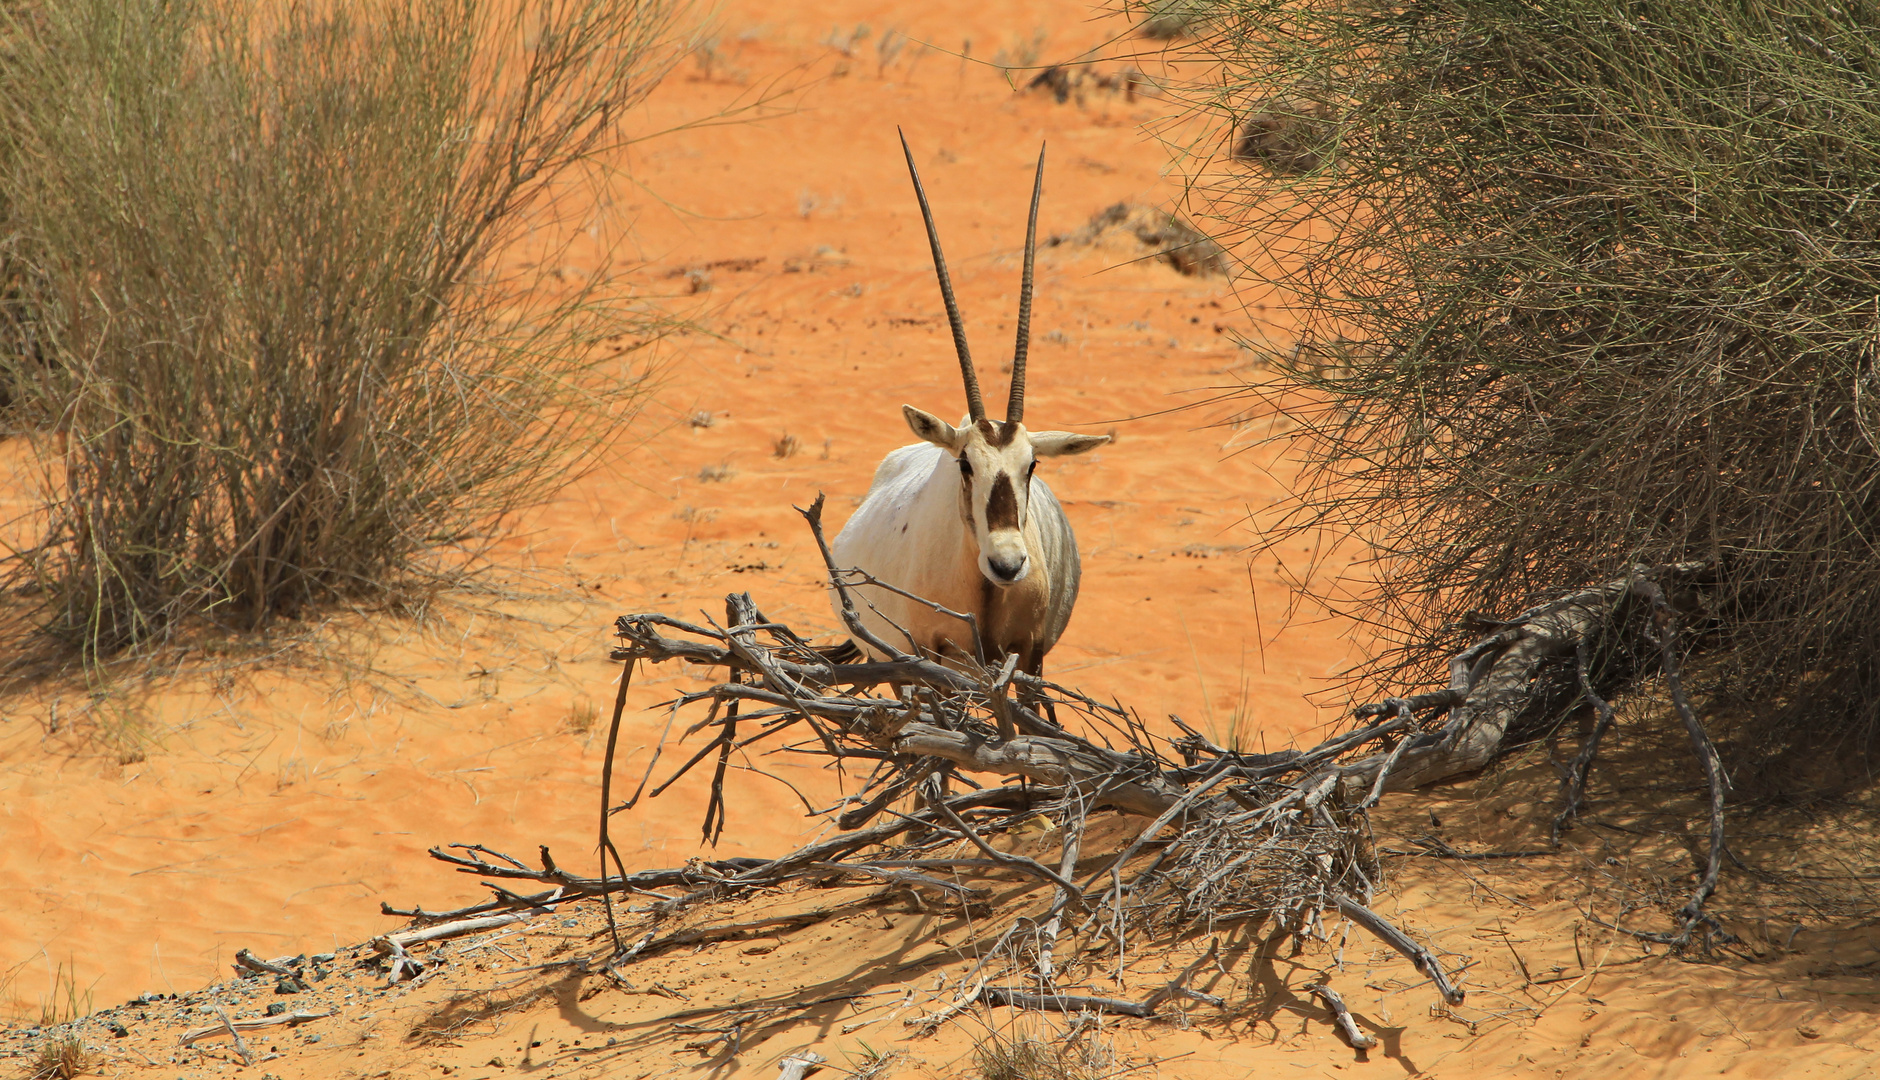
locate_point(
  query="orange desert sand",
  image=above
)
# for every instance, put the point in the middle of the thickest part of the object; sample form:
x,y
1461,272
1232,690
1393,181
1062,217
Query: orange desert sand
x,y
271,796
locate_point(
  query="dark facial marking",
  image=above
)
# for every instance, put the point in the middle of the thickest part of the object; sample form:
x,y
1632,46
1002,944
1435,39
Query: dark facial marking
x,y
1002,504
998,432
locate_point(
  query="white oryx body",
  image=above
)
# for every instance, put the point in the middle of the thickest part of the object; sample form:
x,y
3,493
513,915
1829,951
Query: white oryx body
x,y
960,520
909,532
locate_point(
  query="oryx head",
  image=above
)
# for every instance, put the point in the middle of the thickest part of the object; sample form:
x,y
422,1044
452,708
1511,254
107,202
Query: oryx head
x,y
996,457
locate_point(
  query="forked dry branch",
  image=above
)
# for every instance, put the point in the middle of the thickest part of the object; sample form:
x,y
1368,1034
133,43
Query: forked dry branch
x,y
1231,840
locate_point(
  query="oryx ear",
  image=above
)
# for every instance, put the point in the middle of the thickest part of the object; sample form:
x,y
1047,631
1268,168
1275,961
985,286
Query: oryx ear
x,y
1064,443
930,428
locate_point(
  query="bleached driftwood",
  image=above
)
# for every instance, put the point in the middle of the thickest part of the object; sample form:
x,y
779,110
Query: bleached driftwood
x,y
799,1065
387,944
231,1028
1347,1026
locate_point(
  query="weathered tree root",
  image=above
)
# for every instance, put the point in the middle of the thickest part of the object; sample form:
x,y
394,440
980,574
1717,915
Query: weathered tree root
x,y
1424,959
1491,683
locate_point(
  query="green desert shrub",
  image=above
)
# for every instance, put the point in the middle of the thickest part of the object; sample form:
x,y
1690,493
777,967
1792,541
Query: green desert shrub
x,y
1582,285
301,323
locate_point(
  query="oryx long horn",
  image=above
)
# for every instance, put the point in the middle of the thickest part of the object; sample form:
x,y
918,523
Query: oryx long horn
x,y
1015,407
974,406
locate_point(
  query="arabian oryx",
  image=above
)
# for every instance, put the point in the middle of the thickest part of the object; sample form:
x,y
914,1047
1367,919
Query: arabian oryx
x,y
960,520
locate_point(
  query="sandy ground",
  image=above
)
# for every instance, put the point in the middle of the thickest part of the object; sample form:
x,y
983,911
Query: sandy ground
x,y
1554,988
272,796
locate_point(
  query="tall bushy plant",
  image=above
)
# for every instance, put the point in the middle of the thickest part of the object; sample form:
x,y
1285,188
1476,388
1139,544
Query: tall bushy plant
x,y
291,343
1582,285
20,283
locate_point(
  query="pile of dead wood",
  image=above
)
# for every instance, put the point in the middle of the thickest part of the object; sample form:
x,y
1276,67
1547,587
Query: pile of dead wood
x,y
954,756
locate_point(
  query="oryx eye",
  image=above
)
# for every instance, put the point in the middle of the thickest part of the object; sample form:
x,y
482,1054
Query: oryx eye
x,y
966,467
1031,468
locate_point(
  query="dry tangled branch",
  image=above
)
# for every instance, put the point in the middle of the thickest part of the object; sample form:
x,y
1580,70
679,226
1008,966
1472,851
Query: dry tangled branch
x,y
1230,838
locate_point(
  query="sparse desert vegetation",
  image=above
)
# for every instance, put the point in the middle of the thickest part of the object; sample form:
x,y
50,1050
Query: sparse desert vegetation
x,y
1594,290
1586,296
277,792
272,341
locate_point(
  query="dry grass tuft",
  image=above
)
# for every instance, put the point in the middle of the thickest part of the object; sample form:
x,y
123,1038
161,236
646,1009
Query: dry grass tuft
x,y
276,360
62,1054
61,1058
580,718
1028,1058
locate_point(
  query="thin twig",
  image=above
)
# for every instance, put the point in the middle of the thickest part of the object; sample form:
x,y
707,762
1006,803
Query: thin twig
x,y
1706,752
1064,1003
607,779
1016,862
1573,784
233,1028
